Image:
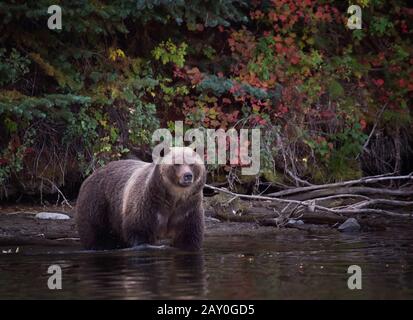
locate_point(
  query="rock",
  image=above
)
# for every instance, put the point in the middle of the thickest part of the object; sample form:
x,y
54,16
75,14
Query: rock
x,y
350,225
52,216
295,222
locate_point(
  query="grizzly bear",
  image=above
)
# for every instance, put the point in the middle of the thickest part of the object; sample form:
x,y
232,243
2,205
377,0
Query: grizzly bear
x,y
130,202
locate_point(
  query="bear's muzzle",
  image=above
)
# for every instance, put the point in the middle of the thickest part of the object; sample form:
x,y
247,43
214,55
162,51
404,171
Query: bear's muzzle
x,y
186,179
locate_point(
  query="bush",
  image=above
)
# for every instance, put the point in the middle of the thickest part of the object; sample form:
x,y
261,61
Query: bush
x,y
95,91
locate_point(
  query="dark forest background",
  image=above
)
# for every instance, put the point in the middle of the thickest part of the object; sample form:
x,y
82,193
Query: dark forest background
x,y
333,103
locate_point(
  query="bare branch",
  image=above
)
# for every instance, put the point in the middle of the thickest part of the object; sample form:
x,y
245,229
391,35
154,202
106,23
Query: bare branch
x,y
360,207
58,190
372,130
365,180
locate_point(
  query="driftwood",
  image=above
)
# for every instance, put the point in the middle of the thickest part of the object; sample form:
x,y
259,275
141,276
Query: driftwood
x,y
365,180
269,217
363,199
356,191
316,218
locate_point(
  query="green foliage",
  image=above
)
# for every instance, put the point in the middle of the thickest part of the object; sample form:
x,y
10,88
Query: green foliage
x,y
12,156
169,52
264,58
338,152
335,89
211,13
97,89
220,86
381,26
349,142
209,52
142,123
12,66
29,108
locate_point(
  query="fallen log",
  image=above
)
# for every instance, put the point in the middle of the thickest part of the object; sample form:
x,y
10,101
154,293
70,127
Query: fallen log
x,y
274,218
365,180
311,196
355,191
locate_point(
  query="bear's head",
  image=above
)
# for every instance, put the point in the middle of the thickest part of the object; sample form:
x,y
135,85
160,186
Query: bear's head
x,y
182,168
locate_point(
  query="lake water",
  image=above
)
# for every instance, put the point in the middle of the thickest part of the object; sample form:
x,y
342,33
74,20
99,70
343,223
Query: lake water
x,y
286,266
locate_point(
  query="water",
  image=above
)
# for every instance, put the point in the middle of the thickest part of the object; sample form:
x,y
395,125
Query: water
x,y
286,266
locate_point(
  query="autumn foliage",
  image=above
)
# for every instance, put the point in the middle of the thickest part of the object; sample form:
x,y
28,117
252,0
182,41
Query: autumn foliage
x,y
317,89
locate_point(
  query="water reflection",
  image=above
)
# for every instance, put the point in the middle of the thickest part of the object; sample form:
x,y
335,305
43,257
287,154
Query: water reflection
x,y
239,267
137,275
149,275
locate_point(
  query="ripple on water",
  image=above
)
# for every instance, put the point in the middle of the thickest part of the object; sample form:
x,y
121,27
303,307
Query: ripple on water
x,y
243,267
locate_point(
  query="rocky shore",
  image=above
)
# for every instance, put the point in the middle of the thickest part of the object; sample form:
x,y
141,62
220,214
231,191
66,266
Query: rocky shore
x,y
54,225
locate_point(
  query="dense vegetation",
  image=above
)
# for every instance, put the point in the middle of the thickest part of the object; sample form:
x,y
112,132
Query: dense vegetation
x,y
74,99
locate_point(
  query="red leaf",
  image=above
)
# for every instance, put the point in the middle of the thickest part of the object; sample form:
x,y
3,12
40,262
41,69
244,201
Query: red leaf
x,y
278,47
363,124
378,82
295,59
273,16
29,150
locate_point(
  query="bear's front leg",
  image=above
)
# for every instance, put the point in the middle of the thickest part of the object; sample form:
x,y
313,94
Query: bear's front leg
x,y
139,231
190,234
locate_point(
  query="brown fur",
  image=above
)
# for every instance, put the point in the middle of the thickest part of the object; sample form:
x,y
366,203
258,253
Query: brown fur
x,y
130,202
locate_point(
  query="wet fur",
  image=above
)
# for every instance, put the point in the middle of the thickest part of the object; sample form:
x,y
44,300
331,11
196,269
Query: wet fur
x,y
114,210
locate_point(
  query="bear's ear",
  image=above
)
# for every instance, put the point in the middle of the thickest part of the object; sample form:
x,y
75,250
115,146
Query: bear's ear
x,y
165,151
159,152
